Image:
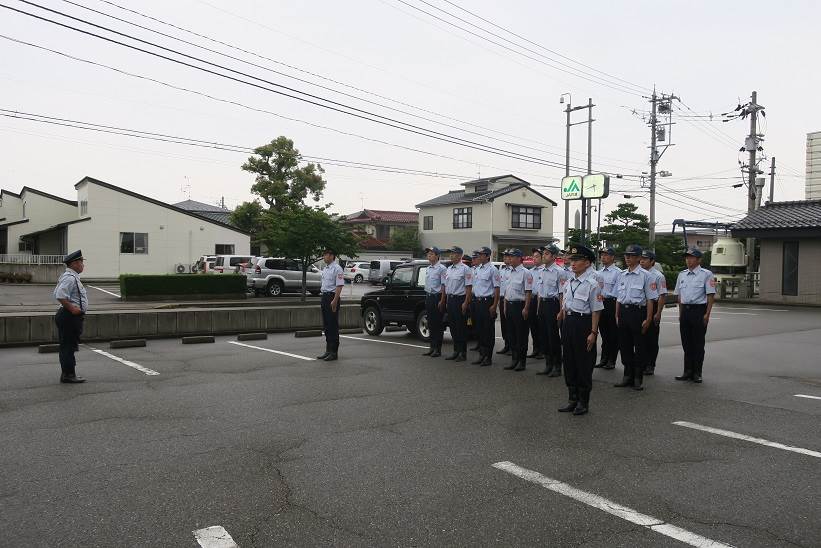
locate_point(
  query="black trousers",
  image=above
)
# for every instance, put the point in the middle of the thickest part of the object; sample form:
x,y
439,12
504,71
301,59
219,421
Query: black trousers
x,y
653,342
548,310
69,330
485,325
692,328
435,319
609,332
504,323
457,322
534,326
330,321
632,342
578,360
517,330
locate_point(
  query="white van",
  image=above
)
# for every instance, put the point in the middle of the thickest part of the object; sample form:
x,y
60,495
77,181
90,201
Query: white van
x,y
381,268
230,264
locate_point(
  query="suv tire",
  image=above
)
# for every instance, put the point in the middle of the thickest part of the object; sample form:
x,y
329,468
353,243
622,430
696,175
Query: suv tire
x,y
421,328
358,279
372,319
274,288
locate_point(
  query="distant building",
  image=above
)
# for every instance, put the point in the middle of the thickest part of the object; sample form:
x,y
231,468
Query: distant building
x,y
703,239
497,212
376,227
213,212
813,181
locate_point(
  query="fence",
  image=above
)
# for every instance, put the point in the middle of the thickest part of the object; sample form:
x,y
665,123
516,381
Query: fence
x,y
31,259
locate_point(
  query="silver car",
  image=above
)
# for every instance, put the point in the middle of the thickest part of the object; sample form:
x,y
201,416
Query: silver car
x,y
274,276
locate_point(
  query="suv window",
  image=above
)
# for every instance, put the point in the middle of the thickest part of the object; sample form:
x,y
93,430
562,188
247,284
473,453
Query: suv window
x,y
275,264
219,261
402,277
394,264
291,264
234,261
423,275
374,265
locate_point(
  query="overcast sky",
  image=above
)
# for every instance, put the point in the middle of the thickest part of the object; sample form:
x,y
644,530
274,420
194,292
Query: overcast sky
x,y
711,54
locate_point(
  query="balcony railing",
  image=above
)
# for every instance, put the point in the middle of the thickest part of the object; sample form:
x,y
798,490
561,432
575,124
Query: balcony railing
x,y
31,259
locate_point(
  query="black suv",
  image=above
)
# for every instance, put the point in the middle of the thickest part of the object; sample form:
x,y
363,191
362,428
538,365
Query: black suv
x,y
401,302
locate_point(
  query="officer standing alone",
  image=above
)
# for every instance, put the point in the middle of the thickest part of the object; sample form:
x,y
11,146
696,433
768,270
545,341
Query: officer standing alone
x,y
696,288
333,280
648,263
553,278
581,309
73,300
458,283
486,281
517,305
435,301
504,273
609,275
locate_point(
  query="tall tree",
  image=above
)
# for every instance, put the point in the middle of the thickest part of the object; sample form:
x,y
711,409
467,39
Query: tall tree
x,y
248,217
406,239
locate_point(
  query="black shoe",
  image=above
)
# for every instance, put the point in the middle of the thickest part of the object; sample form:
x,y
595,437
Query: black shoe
x,y
436,353
460,357
511,366
487,362
521,366
480,361
534,354
504,350
557,371
429,352
687,376
71,379
650,371
697,379
610,365
625,382
569,407
452,356
331,357
581,409
323,356
638,387
548,369
599,365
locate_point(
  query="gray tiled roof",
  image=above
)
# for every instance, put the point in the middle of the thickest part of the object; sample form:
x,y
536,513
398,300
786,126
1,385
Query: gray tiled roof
x,y
219,216
783,215
199,207
460,196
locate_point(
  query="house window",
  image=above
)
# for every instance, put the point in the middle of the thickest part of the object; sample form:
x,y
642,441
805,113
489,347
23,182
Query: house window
x,y
134,243
789,269
463,217
526,217
224,249
25,246
428,222
481,187
83,207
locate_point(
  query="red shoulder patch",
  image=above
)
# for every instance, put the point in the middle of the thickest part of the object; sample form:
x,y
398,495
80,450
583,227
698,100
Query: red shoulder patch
x,y
653,286
600,297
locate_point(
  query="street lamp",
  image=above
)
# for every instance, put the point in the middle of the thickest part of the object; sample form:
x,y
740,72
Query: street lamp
x,y
567,162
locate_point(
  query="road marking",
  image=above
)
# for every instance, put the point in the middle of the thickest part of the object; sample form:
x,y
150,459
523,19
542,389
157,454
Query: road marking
x,y
808,396
751,439
136,366
623,512
736,313
756,309
383,342
105,291
214,537
272,351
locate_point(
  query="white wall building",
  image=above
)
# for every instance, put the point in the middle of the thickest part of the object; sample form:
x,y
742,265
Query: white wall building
x,y
497,212
813,181
120,232
31,211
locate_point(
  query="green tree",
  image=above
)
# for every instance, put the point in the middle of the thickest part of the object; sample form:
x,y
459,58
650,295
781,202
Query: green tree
x,y
625,226
406,239
248,217
303,233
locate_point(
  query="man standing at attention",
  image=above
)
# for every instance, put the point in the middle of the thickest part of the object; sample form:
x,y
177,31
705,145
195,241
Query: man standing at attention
x,y
648,263
486,281
517,301
549,290
696,289
71,295
609,274
333,280
458,284
435,301
532,315
504,272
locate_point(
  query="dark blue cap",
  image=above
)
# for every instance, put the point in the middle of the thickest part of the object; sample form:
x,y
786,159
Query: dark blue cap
x,y
506,252
467,258
609,250
457,249
553,249
516,253
71,257
633,249
435,250
647,254
484,251
694,251
578,251
537,250
475,254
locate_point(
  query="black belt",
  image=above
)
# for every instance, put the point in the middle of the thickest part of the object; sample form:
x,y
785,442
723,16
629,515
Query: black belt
x,y
328,292
483,299
633,306
456,294
432,294
571,313
693,305
543,299
508,300
609,298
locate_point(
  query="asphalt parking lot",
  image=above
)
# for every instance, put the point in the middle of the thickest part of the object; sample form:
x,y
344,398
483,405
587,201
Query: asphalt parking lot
x,y
388,448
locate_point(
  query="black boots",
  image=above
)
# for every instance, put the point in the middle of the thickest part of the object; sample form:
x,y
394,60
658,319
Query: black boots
x,y
69,377
504,350
686,376
552,368
437,350
572,401
557,369
548,368
697,373
325,354
513,363
430,350
625,382
453,356
333,353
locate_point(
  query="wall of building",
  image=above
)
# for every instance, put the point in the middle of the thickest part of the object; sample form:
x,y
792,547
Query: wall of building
x,y
11,208
809,271
813,181
502,215
173,237
42,212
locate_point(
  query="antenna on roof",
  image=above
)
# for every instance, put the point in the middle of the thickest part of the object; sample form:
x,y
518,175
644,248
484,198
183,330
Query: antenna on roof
x,y
362,200
186,188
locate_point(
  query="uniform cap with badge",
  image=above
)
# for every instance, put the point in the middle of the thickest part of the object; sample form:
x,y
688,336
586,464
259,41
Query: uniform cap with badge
x,y
516,253
694,251
609,250
457,249
435,250
553,249
647,254
71,257
484,251
578,251
633,249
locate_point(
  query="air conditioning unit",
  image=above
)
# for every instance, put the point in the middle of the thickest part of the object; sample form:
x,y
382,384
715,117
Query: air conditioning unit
x,y
180,268
193,269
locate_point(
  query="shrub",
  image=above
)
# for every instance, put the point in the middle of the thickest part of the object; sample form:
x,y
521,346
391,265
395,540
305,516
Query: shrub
x,y
137,285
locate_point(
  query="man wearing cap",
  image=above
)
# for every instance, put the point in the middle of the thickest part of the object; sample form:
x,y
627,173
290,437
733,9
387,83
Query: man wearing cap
x,y
471,319
435,301
517,305
458,284
581,308
696,289
648,263
636,293
73,300
533,323
486,281
333,280
504,273
609,275
553,278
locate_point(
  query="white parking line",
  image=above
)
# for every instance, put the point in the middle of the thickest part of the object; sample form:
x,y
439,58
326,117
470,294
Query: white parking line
x,y
105,291
272,351
808,396
756,309
736,313
136,366
383,342
605,505
751,439
214,537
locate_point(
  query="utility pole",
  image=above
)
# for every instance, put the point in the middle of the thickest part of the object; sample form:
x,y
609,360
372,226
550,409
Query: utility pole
x,y
654,158
567,174
772,179
752,144
585,213
589,161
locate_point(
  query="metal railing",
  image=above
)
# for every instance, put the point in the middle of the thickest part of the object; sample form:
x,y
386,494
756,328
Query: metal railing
x,y
31,259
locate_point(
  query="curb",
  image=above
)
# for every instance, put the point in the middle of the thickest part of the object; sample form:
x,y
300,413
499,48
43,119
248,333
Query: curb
x,y
127,343
252,336
198,339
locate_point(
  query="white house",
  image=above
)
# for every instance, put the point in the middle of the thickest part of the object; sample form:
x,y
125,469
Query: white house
x,y
118,230
497,212
31,211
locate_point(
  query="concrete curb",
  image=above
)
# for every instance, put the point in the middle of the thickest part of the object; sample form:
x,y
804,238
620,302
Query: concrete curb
x,y
48,348
308,333
198,339
351,331
132,343
252,336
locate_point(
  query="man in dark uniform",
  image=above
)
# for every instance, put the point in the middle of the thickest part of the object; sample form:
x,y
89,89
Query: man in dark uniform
x,y
504,272
533,324
486,280
333,280
549,289
609,275
435,300
458,284
517,301
696,289
581,307
73,300
471,319
648,263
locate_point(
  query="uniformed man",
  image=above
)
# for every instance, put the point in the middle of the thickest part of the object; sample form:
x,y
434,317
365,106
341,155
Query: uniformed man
x,y
486,282
333,280
504,272
471,319
435,301
553,278
533,324
517,306
458,283
634,314
696,288
648,263
581,309
73,300
609,274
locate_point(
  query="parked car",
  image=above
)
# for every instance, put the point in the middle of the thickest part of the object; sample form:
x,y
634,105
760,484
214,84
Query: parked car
x,y
273,276
229,264
380,269
204,264
357,272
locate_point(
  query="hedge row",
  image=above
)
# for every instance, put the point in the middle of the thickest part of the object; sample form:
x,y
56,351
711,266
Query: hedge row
x,y
15,277
137,285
